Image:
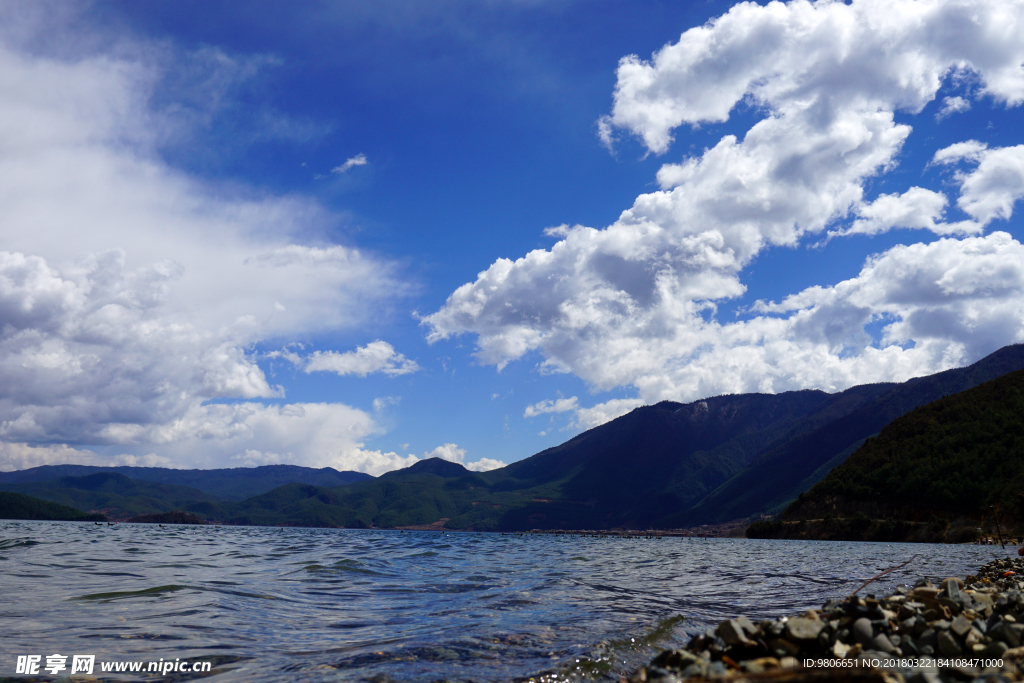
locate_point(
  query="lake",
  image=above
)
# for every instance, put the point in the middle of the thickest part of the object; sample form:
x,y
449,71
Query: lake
x,y
272,604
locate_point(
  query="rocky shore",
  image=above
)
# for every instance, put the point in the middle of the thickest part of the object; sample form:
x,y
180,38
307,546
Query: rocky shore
x,y
958,631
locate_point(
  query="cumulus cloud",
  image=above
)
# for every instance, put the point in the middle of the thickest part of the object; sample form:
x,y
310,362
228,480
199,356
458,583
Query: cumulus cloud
x,y
587,418
452,453
801,55
560,405
20,456
952,105
917,208
988,192
357,160
131,293
309,434
634,304
378,356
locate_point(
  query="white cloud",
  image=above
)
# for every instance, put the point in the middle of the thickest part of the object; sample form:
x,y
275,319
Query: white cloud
x,y
131,293
560,405
916,208
452,453
378,356
633,304
988,192
485,465
956,299
382,402
357,160
952,105
587,418
20,456
449,451
801,56
308,434
971,150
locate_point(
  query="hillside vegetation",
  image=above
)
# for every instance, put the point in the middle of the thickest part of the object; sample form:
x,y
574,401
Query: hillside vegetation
x,y
20,506
237,483
114,494
959,457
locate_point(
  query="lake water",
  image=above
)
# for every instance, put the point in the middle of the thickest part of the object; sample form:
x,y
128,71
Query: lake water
x,y
272,604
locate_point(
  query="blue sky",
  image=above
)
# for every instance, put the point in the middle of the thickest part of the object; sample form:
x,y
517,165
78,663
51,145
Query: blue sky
x,y
300,233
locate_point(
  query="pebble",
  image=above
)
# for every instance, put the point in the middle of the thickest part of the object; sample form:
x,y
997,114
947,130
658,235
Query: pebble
x,y
979,617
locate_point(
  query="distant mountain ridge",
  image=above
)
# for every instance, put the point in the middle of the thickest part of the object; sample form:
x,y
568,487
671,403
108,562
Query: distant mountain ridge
x,y
21,506
233,484
113,493
663,466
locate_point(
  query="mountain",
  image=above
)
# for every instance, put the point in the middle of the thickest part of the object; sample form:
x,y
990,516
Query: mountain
x,y
20,506
114,494
794,464
661,466
289,505
655,461
236,483
436,466
959,457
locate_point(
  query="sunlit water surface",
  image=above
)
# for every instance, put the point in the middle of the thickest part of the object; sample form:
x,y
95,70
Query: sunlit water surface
x,y
270,604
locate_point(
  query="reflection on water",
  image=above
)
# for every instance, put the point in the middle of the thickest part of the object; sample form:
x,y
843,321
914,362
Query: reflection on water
x,y
268,604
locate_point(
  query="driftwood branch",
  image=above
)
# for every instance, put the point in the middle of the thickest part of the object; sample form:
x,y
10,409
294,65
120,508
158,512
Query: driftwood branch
x,y
875,578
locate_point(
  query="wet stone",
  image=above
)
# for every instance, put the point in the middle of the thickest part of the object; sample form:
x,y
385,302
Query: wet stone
x,y
983,620
674,659
952,606
747,625
1002,631
760,665
863,633
948,645
910,609
732,633
695,669
929,637
660,675
803,629
995,650
960,626
882,643
783,648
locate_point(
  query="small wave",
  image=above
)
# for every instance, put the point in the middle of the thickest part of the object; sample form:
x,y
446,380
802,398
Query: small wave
x,y
344,566
120,595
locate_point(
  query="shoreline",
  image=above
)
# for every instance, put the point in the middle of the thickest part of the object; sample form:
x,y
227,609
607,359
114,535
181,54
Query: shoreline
x,y
969,629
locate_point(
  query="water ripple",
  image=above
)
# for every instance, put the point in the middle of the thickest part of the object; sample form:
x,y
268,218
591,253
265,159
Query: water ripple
x,y
268,604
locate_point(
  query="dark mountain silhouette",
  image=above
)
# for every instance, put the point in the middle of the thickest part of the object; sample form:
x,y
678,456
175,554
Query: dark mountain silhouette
x,y
115,494
20,506
661,466
657,460
956,457
793,465
236,483
436,466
